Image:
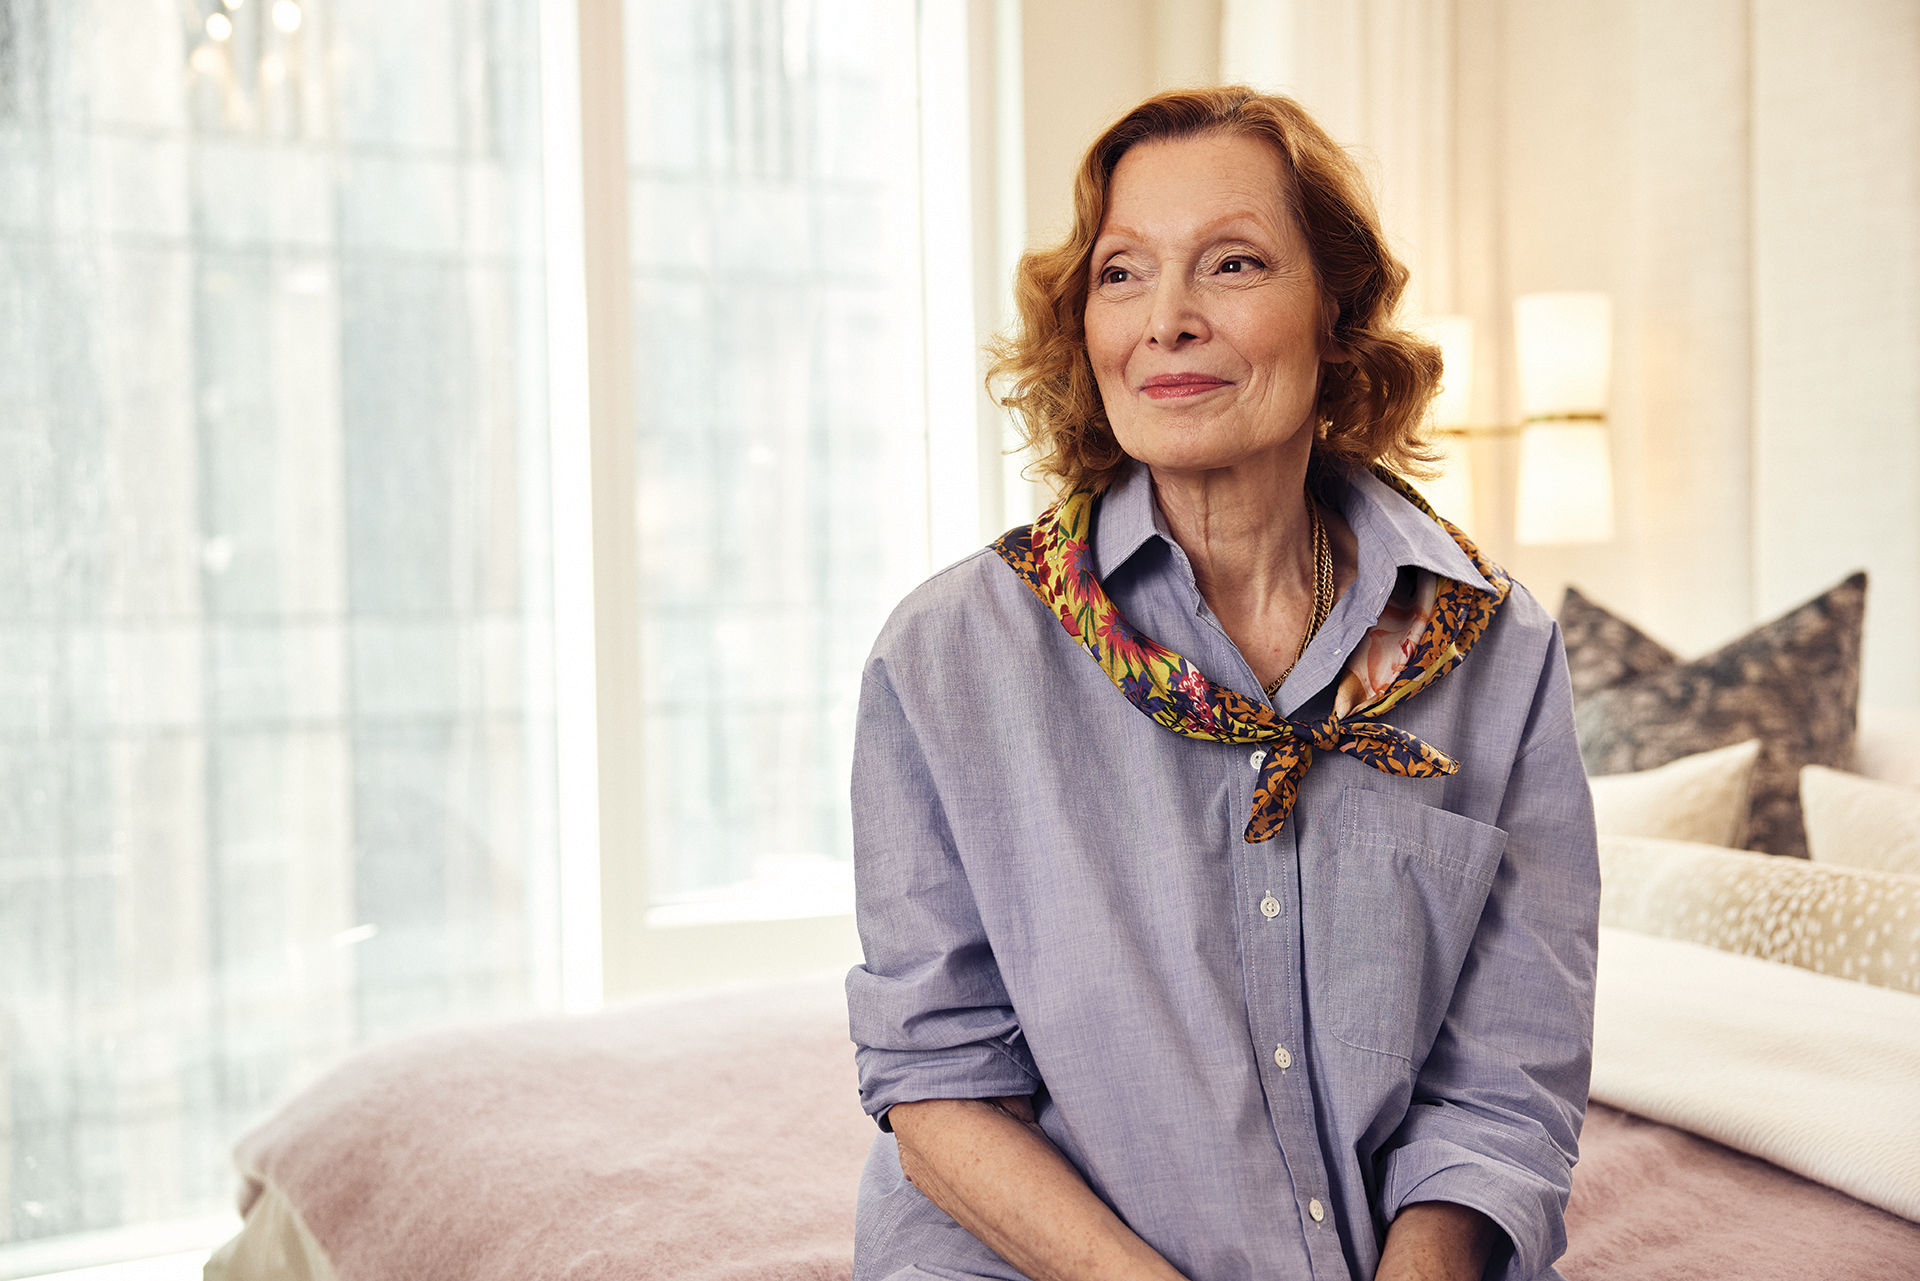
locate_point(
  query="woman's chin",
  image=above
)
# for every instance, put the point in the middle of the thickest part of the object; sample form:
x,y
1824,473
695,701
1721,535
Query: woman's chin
x,y
1173,448
1171,463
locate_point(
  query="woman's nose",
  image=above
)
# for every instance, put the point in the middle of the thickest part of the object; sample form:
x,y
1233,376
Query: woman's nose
x,y
1176,317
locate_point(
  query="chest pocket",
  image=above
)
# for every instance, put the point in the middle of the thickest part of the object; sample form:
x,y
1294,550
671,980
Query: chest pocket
x,y
1390,904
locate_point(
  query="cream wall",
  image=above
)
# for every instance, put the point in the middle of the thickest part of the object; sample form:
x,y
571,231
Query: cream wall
x,y
1743,176
1083,62
1619,157
1836,341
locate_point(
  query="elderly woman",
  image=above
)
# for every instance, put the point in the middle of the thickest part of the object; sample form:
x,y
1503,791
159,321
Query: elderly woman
x,y
1226,870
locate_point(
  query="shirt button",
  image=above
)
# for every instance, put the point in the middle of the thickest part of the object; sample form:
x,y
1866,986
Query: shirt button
x,y
1258,758
1269,907
1317,1210
1284,1060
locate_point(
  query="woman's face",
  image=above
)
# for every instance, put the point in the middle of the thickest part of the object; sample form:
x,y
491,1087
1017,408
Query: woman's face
x,y
1203,317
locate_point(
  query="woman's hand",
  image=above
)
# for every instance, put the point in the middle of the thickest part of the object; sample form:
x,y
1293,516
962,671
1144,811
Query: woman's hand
x,y
988,1164
1437,1241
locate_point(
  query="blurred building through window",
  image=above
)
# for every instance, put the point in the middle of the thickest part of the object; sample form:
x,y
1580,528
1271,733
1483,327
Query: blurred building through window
x,y
277,736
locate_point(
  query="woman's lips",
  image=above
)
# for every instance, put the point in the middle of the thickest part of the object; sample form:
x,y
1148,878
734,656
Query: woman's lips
x,y
1177,386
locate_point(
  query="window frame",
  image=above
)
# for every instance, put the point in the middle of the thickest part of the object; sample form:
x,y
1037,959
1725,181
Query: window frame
x,y
612,945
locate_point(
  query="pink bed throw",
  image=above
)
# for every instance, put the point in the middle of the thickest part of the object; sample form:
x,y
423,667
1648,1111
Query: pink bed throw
x,y
720,1139
1652,1203
717,1140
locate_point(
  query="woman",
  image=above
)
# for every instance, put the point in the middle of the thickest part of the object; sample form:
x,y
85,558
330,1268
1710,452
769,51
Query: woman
x,y
1226,869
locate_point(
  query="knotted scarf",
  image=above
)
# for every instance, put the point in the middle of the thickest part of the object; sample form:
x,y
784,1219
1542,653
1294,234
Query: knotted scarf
x,y
1429,626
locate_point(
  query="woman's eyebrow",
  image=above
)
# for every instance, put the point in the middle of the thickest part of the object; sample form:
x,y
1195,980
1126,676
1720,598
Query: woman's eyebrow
x,y
1240,221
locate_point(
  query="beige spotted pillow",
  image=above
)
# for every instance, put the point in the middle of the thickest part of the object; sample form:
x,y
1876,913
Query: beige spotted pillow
x,y
1851,922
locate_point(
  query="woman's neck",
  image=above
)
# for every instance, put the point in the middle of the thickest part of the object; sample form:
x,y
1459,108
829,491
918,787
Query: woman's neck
x,y
1246,531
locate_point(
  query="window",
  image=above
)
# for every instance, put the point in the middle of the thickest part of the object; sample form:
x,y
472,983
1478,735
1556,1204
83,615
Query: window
x,y
283,627
780,427
276,738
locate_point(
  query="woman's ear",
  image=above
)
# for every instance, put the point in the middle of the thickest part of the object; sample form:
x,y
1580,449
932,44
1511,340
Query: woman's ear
x,y
1331,352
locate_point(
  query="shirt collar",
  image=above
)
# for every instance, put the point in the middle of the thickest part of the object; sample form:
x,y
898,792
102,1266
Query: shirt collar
x,y
1127,520
1407,536
1384,524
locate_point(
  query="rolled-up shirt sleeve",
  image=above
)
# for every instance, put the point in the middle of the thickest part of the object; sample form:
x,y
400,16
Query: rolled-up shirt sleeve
x,y
929,1016
1498,1102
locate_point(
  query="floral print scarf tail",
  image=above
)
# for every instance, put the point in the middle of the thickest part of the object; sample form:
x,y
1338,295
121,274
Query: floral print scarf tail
x,y
1429,625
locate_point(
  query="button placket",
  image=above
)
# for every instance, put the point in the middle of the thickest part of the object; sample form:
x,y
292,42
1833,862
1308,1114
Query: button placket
x,y
1271,865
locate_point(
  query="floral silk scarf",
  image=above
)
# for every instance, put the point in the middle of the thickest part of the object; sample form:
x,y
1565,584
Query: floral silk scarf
x,y
1427,628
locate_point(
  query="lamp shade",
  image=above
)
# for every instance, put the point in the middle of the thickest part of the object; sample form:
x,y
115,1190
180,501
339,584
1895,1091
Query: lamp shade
x,y
1564,342
1566,484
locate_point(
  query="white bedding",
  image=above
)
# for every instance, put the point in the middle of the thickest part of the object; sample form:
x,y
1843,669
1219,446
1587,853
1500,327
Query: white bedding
x,y
1817,1074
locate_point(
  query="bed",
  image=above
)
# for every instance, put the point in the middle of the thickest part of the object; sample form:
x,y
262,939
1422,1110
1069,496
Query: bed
x,y
719,1138
1756,1088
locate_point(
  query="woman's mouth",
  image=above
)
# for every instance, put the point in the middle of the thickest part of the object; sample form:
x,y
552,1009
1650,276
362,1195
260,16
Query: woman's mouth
x,y
1177,386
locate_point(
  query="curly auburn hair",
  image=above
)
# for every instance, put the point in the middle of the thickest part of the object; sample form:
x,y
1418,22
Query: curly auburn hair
x,y
1371,405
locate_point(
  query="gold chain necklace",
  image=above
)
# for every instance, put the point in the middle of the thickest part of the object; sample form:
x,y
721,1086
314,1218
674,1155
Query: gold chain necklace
x,y
1322,592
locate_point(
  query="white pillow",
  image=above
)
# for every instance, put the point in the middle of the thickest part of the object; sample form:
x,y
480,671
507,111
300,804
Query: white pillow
x,y
1886,745
1860,822
1700,798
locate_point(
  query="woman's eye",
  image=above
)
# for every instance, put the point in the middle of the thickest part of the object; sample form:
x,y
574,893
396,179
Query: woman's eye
x,y
1240,264
1115,276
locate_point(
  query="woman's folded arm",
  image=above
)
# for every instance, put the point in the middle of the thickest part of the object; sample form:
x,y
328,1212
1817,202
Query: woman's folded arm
x,y
927,1010
989,1166
1437,1241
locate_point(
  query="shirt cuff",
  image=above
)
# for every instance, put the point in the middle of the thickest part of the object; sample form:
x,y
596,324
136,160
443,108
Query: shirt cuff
x,y
983,1070
1528,1207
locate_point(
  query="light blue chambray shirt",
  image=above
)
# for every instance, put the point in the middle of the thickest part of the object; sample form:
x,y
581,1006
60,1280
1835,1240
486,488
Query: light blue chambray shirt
x,y
1256,1054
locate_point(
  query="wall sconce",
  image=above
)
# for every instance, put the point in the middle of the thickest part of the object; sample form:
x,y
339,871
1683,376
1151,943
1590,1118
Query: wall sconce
x,y
1564,344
